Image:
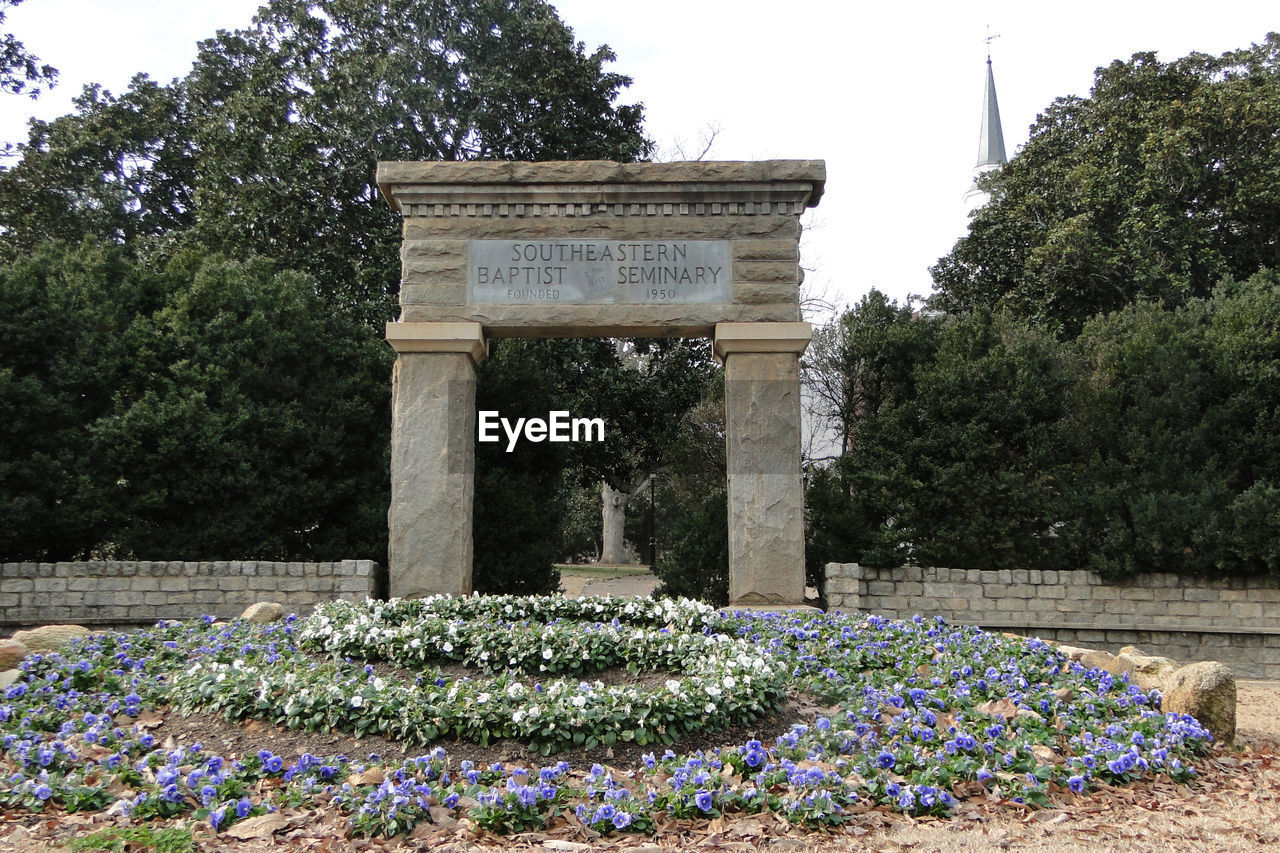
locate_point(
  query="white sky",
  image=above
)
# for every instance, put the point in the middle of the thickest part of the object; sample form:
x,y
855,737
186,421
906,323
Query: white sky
x,y
888,96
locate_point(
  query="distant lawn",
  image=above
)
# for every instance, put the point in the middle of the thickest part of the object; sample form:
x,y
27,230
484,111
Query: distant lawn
x,y
602,570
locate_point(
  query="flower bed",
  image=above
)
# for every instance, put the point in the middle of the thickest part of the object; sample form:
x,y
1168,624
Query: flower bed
x,y
920,715
734,683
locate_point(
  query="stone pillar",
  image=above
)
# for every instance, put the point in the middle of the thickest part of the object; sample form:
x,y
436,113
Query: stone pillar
x,y
766,493
433,435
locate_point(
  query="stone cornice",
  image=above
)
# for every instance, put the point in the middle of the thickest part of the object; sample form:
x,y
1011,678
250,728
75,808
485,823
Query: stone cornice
x,y
596,187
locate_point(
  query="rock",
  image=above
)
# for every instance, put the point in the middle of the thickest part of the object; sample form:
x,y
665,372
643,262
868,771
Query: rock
x,y
11,653
263,611
1147,671
8,677
1206,691
49,638
1098,660
1072,652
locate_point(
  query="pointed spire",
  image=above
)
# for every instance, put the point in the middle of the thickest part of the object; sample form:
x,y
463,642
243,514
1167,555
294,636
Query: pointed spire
x,y
991,136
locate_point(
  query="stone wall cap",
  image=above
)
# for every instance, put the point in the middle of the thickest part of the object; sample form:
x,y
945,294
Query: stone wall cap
x,y
439,337
396,175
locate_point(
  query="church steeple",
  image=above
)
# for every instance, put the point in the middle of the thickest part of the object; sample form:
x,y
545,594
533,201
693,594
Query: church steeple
x,y
990,135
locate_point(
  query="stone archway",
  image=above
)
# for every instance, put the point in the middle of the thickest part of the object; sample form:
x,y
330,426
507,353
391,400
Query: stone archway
x,y
598,249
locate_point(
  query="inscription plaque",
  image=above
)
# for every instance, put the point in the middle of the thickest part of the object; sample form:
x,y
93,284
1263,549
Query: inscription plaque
x,y
591,272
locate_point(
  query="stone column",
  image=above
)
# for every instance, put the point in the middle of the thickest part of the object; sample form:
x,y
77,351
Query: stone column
x,y
433,434
766,494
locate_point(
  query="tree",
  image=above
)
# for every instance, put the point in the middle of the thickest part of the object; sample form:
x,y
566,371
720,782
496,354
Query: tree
x,y
20,70
862,360
960,458
1156,186
118,169
1179,411
214,409
65,321
252,421
860,364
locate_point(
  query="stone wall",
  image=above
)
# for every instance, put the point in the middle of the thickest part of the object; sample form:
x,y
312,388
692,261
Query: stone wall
x,y
140,593
1235,621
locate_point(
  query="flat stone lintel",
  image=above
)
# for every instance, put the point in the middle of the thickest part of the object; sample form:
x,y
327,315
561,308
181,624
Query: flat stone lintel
x,y
439,337
761,337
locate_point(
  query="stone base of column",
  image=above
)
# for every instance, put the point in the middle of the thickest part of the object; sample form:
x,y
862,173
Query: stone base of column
x,y
770,608
766,493
433,426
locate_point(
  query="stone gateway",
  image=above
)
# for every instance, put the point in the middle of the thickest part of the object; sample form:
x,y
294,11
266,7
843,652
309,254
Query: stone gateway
x,y
598,249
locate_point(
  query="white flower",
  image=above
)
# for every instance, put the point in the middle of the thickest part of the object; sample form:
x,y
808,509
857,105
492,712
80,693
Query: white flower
x,y
357,700
547,654
729,682
448,647
579,701
709,708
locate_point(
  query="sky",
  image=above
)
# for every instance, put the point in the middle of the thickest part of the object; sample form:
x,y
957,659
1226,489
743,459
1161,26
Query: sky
x,y
889,95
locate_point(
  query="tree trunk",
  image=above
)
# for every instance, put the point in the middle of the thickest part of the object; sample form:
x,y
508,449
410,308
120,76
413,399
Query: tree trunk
x,y
613,514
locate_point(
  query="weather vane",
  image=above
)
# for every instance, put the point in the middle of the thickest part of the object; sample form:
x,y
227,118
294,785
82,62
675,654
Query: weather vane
x,y
990,38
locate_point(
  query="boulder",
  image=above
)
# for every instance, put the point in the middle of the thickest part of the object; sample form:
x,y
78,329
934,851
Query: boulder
x,y
1147,671
1206,691
8,677
49,638
1072,652
263,611
1098,660
11,653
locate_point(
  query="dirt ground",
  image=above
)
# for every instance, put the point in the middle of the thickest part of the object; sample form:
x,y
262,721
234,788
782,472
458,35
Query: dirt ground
x,y
575,584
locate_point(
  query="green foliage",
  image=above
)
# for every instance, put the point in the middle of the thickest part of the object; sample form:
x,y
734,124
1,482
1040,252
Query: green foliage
x,y
1148,405
118,838
696,561
213,409
1181,410
1155,187
118,169
1147,444
581,527
958,450
863,361
249,429
67,322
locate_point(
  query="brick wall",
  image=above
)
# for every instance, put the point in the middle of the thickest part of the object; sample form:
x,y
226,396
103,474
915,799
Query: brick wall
x,y
1235,621
140,593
